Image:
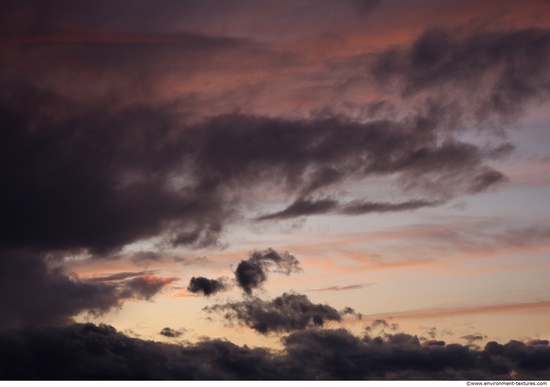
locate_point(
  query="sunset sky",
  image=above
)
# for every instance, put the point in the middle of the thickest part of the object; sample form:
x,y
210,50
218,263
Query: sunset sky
x,y
276,180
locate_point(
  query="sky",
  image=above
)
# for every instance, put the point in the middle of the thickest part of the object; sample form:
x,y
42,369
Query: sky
x,y
274,189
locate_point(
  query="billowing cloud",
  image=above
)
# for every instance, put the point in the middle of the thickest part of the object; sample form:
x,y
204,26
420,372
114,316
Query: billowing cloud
x,y
155,166
141,171
285,313
207,286
117,126
101,352
252,273
32,293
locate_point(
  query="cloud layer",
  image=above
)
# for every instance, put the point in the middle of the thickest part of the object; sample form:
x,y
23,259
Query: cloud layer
x,y
167,124
31,293
94,352
113,172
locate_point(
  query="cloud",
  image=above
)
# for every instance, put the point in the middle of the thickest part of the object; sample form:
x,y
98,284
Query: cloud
x,y
472,338
145,287
303,207
308,207
137,171
537,342
361,207
492,74
120,276
207,286
338,288
130,172
135,285
466,310
90,352
32,293
432,343
251,273
381,325
171,333
286,313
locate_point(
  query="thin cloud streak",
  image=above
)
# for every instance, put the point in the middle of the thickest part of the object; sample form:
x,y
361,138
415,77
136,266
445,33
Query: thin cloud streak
x,y
421,314
338,288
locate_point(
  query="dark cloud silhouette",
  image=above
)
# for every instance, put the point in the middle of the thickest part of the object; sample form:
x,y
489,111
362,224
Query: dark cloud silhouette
x,y
112,169
207,286
112,174
308,207
286,313
171,333
433,343
537,342
86,351
362,207
499,71
97,157
303,207
33,293
471,340
381,325
252,273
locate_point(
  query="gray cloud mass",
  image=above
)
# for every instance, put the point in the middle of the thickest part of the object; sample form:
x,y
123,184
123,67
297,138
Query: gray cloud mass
x,y
286,313
90,352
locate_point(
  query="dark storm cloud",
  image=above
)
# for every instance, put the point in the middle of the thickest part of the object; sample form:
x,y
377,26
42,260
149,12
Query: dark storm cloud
x,y
252,273
31,293
340,355
99,175
92,352
169,332
491,74
89,352
286,313
207,286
